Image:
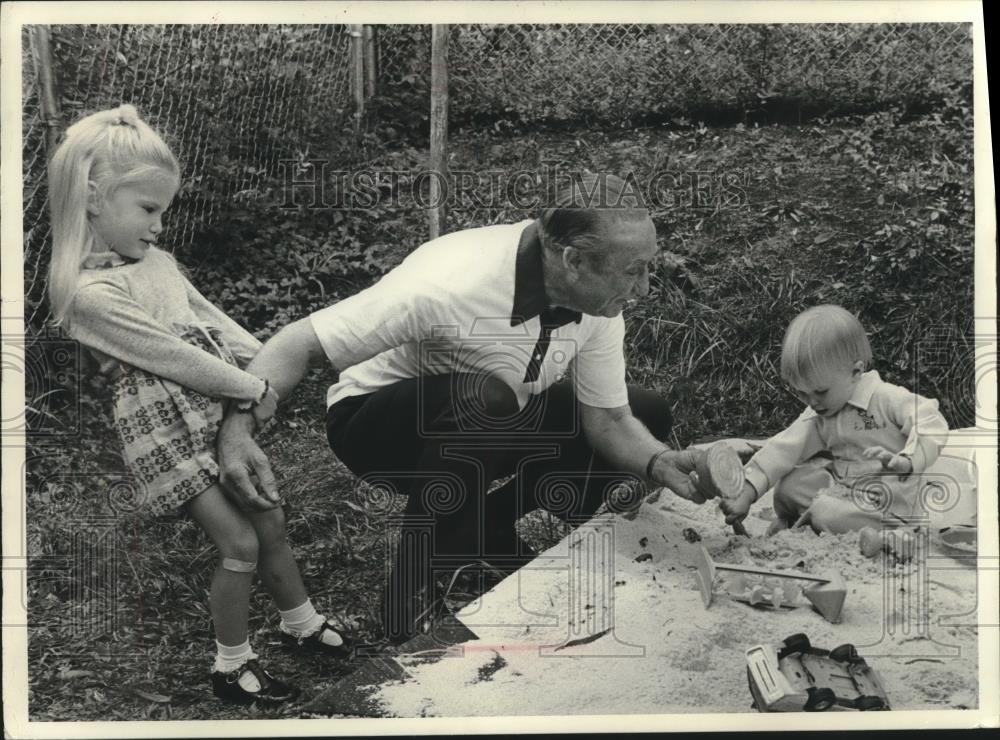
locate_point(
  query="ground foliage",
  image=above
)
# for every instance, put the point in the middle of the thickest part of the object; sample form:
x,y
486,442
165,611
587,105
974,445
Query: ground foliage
x,y
873,212
624,75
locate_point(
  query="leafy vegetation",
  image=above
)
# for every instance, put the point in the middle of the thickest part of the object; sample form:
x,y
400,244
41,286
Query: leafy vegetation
x,y
627,75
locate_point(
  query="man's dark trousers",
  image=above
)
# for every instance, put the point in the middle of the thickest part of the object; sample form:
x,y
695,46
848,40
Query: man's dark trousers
x,y
442,440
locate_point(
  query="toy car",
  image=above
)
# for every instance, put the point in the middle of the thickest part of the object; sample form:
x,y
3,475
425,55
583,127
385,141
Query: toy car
x,y
798,677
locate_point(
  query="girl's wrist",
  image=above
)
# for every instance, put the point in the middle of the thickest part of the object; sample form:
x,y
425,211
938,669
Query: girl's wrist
x,y
247,406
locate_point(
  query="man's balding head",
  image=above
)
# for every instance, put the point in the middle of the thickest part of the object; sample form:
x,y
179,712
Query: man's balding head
x,y
598,244
586,211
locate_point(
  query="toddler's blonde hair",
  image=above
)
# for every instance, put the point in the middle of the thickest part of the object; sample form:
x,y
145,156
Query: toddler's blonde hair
x,y
820,339
110,149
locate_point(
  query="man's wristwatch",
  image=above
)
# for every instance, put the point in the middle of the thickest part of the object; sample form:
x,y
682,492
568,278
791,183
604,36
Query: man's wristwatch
x,y
652,461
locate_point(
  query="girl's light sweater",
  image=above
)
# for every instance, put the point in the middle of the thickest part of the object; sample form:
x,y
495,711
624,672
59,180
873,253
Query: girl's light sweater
x,y
135,314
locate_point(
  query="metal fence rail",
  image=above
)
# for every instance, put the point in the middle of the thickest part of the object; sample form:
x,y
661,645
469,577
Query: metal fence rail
x,y
231,100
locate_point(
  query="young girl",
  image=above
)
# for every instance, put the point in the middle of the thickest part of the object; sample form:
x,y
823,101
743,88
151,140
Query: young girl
x,y
855,454
171,357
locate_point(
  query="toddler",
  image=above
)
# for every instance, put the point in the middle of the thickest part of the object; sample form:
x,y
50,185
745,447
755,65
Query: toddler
x,y
855,454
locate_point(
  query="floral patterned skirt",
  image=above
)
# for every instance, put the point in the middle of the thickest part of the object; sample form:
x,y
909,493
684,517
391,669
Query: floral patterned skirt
x,y
168,432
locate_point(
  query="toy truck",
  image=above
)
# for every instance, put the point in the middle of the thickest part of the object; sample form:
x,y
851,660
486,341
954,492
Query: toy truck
x,y
797,677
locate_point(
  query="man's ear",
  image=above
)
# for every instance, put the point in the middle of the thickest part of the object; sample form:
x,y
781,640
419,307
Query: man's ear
x,y
94,199
571,260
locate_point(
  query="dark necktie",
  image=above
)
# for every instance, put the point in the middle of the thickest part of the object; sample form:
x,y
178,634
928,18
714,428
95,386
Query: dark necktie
x,y
551,319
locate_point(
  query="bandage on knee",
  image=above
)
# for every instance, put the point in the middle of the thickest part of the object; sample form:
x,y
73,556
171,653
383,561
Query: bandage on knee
x,y
238,566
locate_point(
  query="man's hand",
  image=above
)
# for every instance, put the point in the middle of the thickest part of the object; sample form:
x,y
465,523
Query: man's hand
x,y
675,470
239,458
890,461
737,509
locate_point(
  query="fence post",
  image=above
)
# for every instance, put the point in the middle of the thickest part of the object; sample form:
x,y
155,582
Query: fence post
x,y
42,55
370,62
357,76
439,127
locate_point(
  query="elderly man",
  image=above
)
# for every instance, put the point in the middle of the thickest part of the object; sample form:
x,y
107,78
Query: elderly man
x,y
487,353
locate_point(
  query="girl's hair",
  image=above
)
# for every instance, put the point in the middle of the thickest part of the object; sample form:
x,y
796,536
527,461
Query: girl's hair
x,y
821,339
110,149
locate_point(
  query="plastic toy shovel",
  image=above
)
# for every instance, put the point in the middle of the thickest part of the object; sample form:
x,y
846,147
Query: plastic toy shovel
x,y
720,473
825,594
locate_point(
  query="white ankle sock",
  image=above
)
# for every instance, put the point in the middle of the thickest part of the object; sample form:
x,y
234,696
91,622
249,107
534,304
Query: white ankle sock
x,y
303,621
230,657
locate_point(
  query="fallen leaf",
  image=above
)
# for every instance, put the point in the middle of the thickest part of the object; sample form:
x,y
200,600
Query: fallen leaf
x,y
584,640
69,675
150,696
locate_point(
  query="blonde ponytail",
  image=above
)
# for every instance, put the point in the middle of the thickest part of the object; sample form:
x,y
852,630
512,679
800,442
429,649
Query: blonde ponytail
x,y
108,149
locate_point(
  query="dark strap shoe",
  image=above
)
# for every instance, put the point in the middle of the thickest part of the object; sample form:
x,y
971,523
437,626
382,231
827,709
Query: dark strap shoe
x,y
272,692
314,643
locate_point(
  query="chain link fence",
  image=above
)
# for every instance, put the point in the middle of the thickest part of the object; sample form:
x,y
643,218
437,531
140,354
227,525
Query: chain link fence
x,y
616,74
234,100
231,100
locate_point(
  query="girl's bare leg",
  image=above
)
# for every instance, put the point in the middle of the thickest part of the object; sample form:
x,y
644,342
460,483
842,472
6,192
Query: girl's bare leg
x,y
277,567
236,540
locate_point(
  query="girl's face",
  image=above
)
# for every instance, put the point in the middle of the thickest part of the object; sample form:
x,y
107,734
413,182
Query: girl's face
x,y
130,219
828,393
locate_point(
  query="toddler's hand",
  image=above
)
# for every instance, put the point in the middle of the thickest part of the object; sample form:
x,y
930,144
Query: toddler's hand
x,y
897,463
737,509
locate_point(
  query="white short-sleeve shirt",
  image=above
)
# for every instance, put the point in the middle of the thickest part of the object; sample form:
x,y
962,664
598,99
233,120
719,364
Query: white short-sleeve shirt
x,y
447,308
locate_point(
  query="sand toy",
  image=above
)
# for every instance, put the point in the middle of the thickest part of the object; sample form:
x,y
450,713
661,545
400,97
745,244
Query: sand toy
x,y
798,677
720,474
958,541
775,588
900,542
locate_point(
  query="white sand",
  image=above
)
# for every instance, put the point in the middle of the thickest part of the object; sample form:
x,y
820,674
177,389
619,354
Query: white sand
x,y
665,652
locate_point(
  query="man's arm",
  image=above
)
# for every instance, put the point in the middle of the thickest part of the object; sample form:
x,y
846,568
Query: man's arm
x,y
285,357
625,442
283,362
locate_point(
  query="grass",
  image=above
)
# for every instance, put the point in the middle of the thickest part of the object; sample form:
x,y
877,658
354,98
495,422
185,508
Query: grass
x,y
119,627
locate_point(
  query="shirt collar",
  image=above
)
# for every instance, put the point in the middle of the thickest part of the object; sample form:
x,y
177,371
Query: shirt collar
x,y
863,391
861,397
529,285
104,260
